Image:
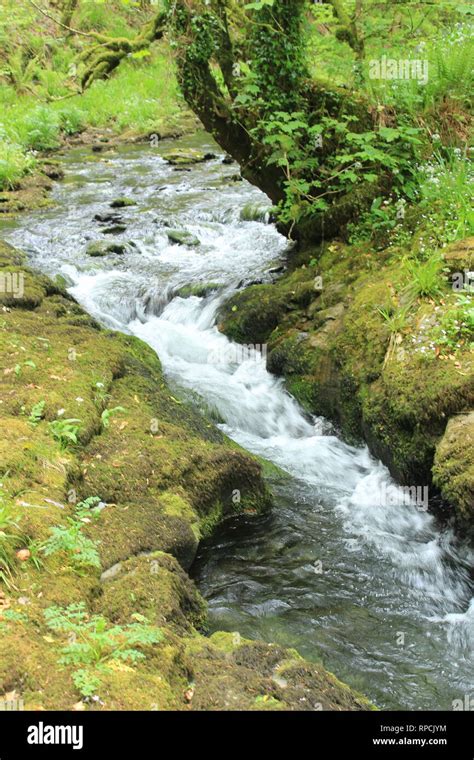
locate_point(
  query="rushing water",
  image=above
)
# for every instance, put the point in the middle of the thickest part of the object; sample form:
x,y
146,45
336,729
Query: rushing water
x,y
343,569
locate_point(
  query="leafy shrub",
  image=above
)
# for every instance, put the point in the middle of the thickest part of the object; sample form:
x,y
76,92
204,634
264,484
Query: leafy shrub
x,y
14,164
42,129
72,120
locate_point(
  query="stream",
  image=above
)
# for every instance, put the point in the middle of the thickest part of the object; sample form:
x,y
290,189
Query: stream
x,y
343,569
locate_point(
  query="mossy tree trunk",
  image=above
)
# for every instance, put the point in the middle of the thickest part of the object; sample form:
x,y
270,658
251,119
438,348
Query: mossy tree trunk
x,y
101,59
238,67
217,40
67,12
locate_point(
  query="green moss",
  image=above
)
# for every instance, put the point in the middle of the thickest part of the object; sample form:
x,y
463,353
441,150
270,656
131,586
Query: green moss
x,y
102,248
182,237
199,289
453,470
155,586
185,157
251,315
122,203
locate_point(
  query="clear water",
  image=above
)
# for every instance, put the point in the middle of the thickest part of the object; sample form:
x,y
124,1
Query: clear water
x,y
344,569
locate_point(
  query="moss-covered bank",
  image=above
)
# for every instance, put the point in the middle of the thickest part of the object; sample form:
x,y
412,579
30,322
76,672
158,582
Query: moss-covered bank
x,y
86,413
355,344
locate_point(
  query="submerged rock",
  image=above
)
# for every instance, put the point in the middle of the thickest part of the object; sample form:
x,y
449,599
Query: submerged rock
x,y
122,203
103,247
182,157
181,237
254,212
199,289
108,218
115,229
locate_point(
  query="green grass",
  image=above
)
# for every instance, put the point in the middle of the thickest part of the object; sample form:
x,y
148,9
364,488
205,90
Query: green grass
x,y
425,279
446,196
141,97
450,73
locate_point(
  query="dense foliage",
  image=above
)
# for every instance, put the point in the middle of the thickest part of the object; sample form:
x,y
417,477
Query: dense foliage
x,y
286,86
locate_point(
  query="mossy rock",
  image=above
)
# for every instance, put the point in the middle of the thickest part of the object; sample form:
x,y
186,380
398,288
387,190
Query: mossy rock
x,y
19,288
186,157
198,289
251,315
459,256
130,529
453,470
157,587
102,248
230,673
181,237
122,203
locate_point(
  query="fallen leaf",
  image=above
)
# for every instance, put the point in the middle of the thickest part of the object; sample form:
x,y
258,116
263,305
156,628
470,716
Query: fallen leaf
x,y
188,695
119,666
4,601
